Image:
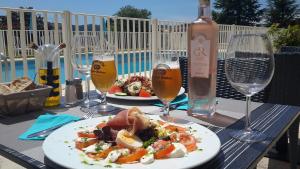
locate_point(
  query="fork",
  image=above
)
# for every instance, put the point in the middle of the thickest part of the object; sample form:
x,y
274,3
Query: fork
x,y
46,132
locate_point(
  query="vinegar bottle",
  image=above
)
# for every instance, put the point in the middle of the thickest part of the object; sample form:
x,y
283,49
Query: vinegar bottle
x,y
202,62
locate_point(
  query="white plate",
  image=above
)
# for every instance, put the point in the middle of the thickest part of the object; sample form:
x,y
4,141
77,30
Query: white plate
x,y
60,148
182,90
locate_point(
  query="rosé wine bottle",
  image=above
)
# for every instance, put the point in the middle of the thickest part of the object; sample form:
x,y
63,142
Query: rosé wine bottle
x,y
202,62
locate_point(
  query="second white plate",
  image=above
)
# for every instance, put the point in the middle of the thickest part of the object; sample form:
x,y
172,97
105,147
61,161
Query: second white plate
x,y
182,90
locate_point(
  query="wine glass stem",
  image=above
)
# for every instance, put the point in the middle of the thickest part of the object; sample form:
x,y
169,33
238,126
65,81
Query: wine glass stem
x,y
248,113
104,102
87,87
166,109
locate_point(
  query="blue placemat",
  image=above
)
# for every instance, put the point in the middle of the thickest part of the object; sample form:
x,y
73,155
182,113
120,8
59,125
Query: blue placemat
x,y
177,100
46,121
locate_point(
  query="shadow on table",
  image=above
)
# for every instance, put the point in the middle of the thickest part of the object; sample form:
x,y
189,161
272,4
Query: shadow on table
x,y
51,164
216,162
8,120
130,102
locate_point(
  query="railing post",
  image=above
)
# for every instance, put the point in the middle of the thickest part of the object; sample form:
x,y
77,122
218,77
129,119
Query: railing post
x,y
67,38
233,30
10,44
154,24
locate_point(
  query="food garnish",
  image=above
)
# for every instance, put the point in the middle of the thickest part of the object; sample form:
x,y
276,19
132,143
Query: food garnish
x,y
132,86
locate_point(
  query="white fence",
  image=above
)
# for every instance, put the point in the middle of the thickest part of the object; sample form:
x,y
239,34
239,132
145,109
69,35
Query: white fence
x,y
135,40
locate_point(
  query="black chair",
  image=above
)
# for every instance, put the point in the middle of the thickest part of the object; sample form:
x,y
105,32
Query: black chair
x,y
285,89
290,49
224,89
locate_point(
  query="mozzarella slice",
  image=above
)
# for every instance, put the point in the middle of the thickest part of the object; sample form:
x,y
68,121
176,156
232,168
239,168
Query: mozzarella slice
x,y
179,151
147,159
115,154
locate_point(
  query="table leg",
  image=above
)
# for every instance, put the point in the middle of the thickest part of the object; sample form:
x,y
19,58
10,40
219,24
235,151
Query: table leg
x,y
293,146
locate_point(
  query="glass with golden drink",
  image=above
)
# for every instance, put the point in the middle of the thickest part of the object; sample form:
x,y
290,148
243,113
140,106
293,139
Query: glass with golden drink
x,y
166,83
166,79
104,74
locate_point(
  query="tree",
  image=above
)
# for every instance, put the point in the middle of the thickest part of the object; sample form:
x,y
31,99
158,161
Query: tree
x,y
15,17
283,12
246,12
132,12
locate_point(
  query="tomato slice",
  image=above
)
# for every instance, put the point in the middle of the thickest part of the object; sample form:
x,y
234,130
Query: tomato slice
x,y
144,93
101,155
86,134
160,144
114,89
135,156
175,128
101,125
161,122
164,153
188,141
83,144
104,154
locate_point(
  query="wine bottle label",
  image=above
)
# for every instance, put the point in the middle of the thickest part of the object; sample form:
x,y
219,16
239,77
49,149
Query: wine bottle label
x,y
200,53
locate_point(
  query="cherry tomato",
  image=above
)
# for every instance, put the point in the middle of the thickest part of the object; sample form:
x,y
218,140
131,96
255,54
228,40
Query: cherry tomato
x,y
144,93
114,89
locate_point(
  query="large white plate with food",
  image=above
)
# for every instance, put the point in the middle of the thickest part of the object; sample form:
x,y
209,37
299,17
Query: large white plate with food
x,y
60,146
115,96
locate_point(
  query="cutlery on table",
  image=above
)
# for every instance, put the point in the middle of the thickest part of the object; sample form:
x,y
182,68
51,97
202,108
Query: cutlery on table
x,y
46,132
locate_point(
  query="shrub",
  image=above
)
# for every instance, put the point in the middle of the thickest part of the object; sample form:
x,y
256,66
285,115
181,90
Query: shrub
x,y
285,37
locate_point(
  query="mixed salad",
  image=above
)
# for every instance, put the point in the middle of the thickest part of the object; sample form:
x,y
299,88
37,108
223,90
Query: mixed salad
x,y
132,137
132,86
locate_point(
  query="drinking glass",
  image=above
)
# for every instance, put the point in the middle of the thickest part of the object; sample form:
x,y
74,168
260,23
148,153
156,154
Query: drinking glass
x,y
82,53
249,67
166,79
104,73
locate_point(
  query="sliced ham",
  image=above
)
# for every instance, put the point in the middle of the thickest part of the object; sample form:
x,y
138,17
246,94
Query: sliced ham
x,y
133,120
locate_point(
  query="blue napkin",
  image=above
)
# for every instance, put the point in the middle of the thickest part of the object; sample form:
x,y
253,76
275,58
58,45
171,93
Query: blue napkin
x,y
178,99
46,121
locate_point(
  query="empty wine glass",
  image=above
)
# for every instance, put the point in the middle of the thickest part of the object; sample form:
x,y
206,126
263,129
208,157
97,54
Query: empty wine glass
x,y
249,67
166,79
82,56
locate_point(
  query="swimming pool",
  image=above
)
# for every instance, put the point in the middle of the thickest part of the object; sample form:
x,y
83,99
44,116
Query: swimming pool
x,y
138,56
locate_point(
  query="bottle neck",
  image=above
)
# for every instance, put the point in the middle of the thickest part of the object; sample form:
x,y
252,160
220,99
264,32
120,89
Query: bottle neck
x,y
204,9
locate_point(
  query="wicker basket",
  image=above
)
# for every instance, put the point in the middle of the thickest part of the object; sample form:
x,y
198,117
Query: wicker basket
x,y
25,101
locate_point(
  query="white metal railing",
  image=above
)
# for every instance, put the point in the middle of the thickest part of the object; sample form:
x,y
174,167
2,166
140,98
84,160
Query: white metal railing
x,y
138,38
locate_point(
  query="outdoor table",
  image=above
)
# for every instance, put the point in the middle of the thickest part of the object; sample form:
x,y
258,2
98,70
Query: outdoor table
x,y
271,119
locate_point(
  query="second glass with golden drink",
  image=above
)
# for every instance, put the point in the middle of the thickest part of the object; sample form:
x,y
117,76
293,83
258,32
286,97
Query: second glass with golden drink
x,y
104,74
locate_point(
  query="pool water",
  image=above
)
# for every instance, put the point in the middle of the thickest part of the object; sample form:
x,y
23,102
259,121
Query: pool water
x,y
31,66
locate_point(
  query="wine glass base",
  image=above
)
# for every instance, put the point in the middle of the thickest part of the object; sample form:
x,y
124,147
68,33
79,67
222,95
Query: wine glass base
x,y
105,108
248,136
89,104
